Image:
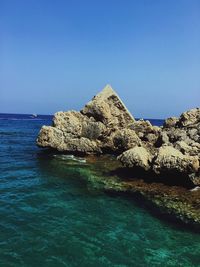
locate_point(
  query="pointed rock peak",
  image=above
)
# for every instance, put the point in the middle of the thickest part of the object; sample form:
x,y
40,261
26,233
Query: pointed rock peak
x,y
106,92
107,106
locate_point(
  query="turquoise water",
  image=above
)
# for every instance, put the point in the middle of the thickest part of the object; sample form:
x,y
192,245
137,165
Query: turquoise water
x,y
50,215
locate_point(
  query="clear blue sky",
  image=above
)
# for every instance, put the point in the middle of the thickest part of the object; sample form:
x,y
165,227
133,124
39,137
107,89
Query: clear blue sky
x,y
57,54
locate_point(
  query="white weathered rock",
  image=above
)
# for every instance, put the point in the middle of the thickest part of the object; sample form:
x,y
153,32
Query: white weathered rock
x,y
171,159
70,122
190,117
108,108
105,125
50,137
136,157
101,125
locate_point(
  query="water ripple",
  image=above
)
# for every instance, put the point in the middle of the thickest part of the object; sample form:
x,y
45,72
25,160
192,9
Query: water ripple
x,y
51,217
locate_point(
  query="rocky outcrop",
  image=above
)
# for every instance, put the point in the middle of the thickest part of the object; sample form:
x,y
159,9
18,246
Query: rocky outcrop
x,y
161,162
184,133
174,148
105,125
75,139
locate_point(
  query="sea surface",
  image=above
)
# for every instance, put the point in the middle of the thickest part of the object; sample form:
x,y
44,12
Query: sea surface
x,y
50,216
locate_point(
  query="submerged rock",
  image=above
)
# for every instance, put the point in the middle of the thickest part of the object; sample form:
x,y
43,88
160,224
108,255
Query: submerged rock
x,y
175,202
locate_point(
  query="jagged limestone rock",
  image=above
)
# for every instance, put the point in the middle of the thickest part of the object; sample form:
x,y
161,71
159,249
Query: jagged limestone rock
x,y
136,157
171,159
50,137
146,131
184,135
108,108
124,139
105,125
70,121
170,122
190,117
102,125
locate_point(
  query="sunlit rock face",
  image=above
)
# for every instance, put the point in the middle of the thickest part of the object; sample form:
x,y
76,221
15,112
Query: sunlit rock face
x,y
105,125
136,157
182,134
102,125
173,149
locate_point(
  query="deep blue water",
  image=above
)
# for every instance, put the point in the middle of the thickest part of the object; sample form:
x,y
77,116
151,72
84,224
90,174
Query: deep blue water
x,y
50,216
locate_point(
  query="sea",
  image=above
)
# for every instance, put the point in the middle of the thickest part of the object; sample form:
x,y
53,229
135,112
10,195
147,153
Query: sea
x,y
50,216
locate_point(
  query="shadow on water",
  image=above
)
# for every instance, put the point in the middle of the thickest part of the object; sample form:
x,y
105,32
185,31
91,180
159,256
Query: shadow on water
x,y
149,177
